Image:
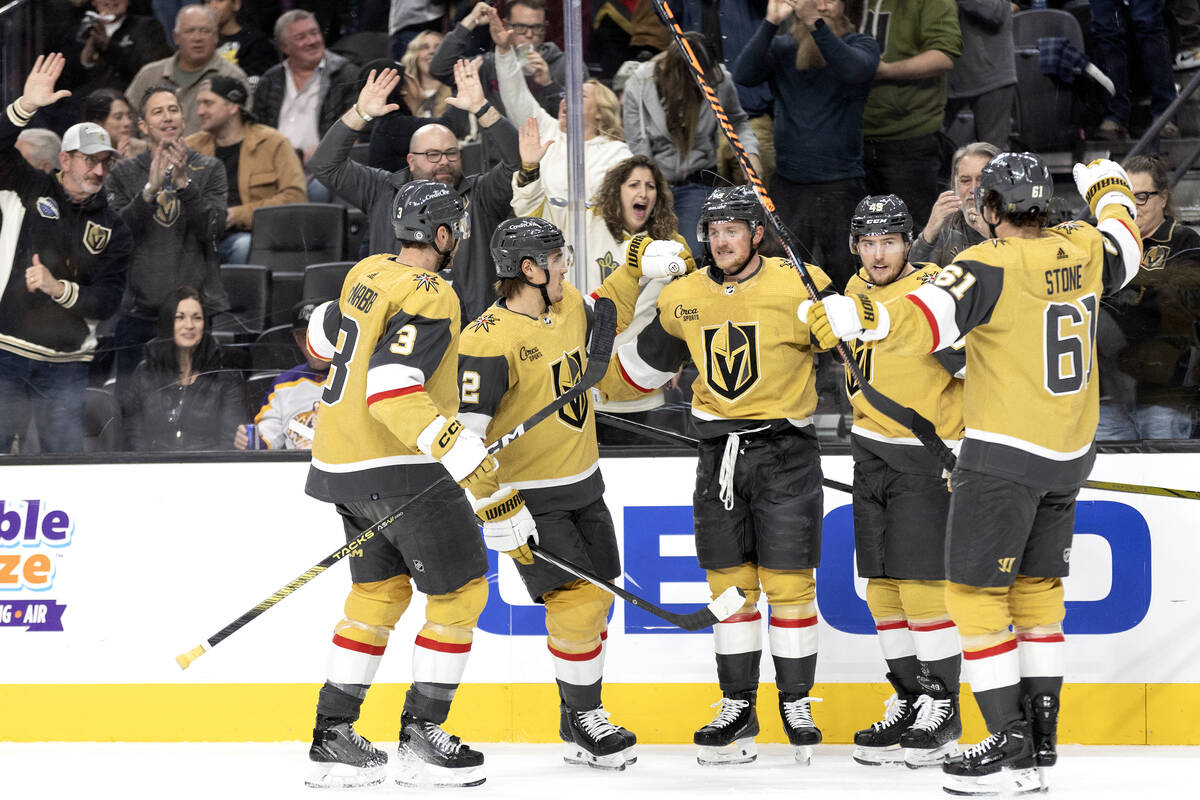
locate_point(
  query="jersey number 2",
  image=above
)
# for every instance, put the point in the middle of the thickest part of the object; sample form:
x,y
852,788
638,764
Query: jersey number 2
x,y
339,370
1069,337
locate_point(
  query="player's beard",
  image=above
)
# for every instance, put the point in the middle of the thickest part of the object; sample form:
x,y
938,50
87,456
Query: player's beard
x,y
808,55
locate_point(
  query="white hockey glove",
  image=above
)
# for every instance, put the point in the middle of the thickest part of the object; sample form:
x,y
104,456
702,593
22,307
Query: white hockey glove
x,y
1103,182
507,524
858,317
462,453
655,258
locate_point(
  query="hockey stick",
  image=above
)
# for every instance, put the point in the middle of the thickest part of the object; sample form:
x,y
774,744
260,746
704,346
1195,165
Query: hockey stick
x,y
719,610
922,428
671,436
1137,488
604,327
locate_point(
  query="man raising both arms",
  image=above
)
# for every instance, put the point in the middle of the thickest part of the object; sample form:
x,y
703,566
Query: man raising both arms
x,y
1026,302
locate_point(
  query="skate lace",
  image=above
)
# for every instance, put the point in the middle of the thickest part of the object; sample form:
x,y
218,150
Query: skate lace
x,y
595,723
896,707
444,742
982,747
931,713
730,709
359,742
797,713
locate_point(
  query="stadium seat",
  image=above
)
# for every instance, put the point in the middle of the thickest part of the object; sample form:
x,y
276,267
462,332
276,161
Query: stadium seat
x,y
324,281
102,428
1045,116
275,350
249,290
289,237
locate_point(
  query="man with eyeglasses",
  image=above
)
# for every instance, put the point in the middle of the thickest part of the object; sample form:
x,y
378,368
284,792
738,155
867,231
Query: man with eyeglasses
x,y
433,155
543,63
63,271
196,60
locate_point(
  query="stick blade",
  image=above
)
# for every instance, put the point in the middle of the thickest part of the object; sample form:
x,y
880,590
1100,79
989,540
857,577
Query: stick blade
x,y
728,603
604,330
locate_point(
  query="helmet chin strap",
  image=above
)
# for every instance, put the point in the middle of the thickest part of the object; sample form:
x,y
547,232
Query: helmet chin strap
x,y
541,287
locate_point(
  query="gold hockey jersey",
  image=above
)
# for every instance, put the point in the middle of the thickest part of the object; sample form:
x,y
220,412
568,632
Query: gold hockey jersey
x,y
511,365
754,355
1028,310
393,339
931,385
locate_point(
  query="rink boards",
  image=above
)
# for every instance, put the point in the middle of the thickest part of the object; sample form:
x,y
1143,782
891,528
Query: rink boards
x,y
107,572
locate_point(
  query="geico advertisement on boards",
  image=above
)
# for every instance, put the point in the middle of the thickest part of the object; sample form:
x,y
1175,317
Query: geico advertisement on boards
x,y
109,571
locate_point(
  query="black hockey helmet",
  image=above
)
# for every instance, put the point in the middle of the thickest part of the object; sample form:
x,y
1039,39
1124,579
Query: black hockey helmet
x,y
878,215
521,238
730,203
421,207
1021,180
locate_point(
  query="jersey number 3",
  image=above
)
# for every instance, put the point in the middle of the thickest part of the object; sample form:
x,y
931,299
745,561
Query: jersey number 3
x,y
1069,339
339,369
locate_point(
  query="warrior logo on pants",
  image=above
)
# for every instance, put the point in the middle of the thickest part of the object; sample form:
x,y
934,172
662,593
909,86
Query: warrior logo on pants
x,y
731,356
566,373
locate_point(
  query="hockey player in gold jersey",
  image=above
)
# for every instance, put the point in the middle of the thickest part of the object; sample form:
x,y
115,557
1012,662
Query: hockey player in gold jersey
x,y
524,351
386,431
901,503
1026,302
758,498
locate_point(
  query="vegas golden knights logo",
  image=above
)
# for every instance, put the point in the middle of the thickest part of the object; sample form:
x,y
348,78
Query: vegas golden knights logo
x,y
566,372
95,237
167,209
864,354
731,358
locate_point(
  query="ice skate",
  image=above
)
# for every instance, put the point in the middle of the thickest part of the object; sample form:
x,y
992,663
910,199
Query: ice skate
x,y
796,712
342,759
1001,764
1044,718
933,737
729,738
430,757
880,743
592,740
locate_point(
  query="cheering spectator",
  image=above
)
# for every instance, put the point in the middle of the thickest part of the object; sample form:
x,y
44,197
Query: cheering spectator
x,y
261,168
302,97
954,223
543,68
668,119
181,398
425,94
244,45
113,45
820,71
392,133
197,59
289,412
920,39
173,200
40,148
109,109
63,267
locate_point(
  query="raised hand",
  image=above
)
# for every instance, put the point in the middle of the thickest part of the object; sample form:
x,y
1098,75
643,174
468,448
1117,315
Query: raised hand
x,y
158,167
777,11
477,17
39,86
39,279
529,143
373,99
470,91
501,35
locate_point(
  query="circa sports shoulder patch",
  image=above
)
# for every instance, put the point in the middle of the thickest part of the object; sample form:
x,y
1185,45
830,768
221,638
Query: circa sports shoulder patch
x,y
47,208
96,237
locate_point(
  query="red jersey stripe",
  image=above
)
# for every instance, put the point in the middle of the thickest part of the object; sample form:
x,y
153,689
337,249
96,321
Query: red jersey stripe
x,y
375,398
930,318
630,380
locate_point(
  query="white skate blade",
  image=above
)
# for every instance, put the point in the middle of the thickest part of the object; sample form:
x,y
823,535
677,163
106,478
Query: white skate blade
x,y
1005,783
343,776
740,751
728,603
916,759
803,753
574,754
414,772
878,756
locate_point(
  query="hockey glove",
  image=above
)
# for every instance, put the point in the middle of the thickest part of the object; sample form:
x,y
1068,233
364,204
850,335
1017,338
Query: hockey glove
x,y
813,315
858,317
1103,182
462,453
655,258
507,524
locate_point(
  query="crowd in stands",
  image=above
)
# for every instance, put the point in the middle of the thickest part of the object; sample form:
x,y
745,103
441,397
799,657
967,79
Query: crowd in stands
x,y
136,167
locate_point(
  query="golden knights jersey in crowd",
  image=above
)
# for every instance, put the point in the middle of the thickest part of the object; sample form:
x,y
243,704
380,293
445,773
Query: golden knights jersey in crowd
x,y
931,385
393,339
510,365
1031,420
753,353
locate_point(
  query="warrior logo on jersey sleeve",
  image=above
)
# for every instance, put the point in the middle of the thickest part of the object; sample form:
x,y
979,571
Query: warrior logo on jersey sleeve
x,y
731,358
566,372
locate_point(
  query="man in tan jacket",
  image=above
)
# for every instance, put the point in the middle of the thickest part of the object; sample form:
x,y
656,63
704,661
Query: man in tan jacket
x,y
260,163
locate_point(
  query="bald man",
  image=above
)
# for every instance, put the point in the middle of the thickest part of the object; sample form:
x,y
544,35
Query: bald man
x,y
434,154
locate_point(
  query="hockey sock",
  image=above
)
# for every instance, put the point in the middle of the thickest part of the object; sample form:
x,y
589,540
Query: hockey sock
x,y
891,627
738,645
793,635
938,649
576,622
336,704
1040,653
990,665
441,650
